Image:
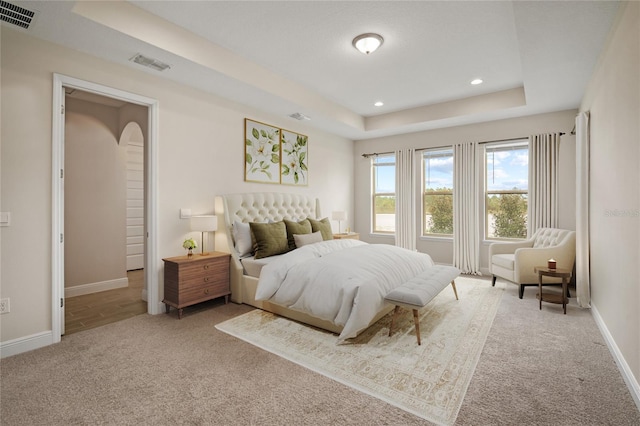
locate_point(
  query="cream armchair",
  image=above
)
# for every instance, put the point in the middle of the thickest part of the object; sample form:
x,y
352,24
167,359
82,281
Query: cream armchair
x,y
515,261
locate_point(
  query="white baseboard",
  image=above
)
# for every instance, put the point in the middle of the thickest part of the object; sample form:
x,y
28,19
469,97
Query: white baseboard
x,y
627,374
25,344
45,338
79,290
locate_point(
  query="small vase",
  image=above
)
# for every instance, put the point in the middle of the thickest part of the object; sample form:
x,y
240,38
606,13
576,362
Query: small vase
x,y
190,254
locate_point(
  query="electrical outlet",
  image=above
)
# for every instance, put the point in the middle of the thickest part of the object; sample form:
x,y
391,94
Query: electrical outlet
x,y
5,308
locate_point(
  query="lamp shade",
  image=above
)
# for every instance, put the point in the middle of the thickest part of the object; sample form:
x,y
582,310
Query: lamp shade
x,y
204,223
339,215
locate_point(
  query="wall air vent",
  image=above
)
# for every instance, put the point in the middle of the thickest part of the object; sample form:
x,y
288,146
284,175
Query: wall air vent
x,y
16,15
150,62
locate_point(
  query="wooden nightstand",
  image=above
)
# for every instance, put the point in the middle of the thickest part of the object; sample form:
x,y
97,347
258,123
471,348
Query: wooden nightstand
x,y
349,236
191,280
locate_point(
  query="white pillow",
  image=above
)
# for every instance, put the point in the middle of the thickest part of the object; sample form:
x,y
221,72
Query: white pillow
x,y
242,237
304,239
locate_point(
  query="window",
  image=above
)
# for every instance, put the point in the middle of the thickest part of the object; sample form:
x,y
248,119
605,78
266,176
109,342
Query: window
x,y
384,193
437,192
506,189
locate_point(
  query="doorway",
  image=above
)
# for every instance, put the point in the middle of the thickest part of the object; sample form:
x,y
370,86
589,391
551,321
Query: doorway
x,y
149,237
104,204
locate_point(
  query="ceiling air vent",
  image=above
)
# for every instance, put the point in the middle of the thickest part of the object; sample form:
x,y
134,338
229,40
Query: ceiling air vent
x,y
150,62
16,15
299,116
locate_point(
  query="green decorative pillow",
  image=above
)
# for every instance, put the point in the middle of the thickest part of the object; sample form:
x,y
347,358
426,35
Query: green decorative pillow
x,y
324,226
302,227
271,239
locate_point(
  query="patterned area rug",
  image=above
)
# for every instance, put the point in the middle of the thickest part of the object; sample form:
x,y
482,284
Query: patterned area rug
x,y
429,381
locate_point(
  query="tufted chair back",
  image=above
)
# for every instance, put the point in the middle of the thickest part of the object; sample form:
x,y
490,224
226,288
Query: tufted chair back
x,y
549,237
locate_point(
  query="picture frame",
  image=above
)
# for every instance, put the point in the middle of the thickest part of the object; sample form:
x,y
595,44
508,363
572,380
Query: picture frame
x,y
262,150
294,158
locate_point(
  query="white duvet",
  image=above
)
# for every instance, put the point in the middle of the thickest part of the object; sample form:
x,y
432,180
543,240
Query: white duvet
x,y
342,281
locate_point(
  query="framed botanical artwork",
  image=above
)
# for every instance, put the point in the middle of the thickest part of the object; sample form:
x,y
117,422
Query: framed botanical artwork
x,y
261,152
295,159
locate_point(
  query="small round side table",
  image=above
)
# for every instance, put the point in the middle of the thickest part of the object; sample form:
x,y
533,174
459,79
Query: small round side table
x,y
565,274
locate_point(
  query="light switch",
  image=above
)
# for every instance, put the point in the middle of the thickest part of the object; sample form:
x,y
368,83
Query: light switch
x,y
185,213
5,218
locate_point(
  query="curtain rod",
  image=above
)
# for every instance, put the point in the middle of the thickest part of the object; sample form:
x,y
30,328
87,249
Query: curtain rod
x,y
504,140
513,139
375,154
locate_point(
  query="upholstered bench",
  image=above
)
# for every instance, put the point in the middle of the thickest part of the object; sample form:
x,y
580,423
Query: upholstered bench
x,y
420,290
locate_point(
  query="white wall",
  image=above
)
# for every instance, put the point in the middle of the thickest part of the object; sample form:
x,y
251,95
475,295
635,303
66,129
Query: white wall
x,y
201,155
441,250
95,195
613,99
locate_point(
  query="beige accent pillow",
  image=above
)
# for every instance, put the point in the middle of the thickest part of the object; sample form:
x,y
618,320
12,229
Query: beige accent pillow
x,y
271,239
304,239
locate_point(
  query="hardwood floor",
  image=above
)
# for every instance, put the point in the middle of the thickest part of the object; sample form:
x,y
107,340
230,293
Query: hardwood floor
x,y
93,310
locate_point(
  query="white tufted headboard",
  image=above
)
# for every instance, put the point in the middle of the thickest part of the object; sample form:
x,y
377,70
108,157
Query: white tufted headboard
x,y
259,206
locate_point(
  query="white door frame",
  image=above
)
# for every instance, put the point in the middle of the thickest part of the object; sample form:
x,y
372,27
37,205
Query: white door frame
x,y
154,306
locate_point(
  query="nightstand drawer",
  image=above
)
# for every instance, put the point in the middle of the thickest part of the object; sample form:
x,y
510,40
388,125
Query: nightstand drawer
x,y
190,281
203,292
206,267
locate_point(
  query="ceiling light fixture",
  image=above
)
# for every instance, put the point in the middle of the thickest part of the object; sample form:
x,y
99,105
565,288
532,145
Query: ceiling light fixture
x,y
367,43
379,103
150,62
476,81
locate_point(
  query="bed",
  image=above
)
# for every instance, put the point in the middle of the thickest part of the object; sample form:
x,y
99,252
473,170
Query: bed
x,y
343,260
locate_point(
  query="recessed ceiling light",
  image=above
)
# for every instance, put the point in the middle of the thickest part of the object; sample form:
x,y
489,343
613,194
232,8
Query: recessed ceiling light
x,y
367,43
476,81
379,103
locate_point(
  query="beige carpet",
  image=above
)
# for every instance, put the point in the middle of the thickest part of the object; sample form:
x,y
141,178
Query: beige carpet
x,y
538,367
429,381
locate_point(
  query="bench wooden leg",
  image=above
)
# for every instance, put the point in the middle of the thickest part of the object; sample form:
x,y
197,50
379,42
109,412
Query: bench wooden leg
x,y
393,319
416,320
453,284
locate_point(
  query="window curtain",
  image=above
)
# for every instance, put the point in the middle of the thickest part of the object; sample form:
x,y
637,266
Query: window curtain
x,y
405,196
583,285
466,244
543,181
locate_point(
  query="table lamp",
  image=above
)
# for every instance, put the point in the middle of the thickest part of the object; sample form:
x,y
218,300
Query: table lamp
x,y
339,216
204,224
